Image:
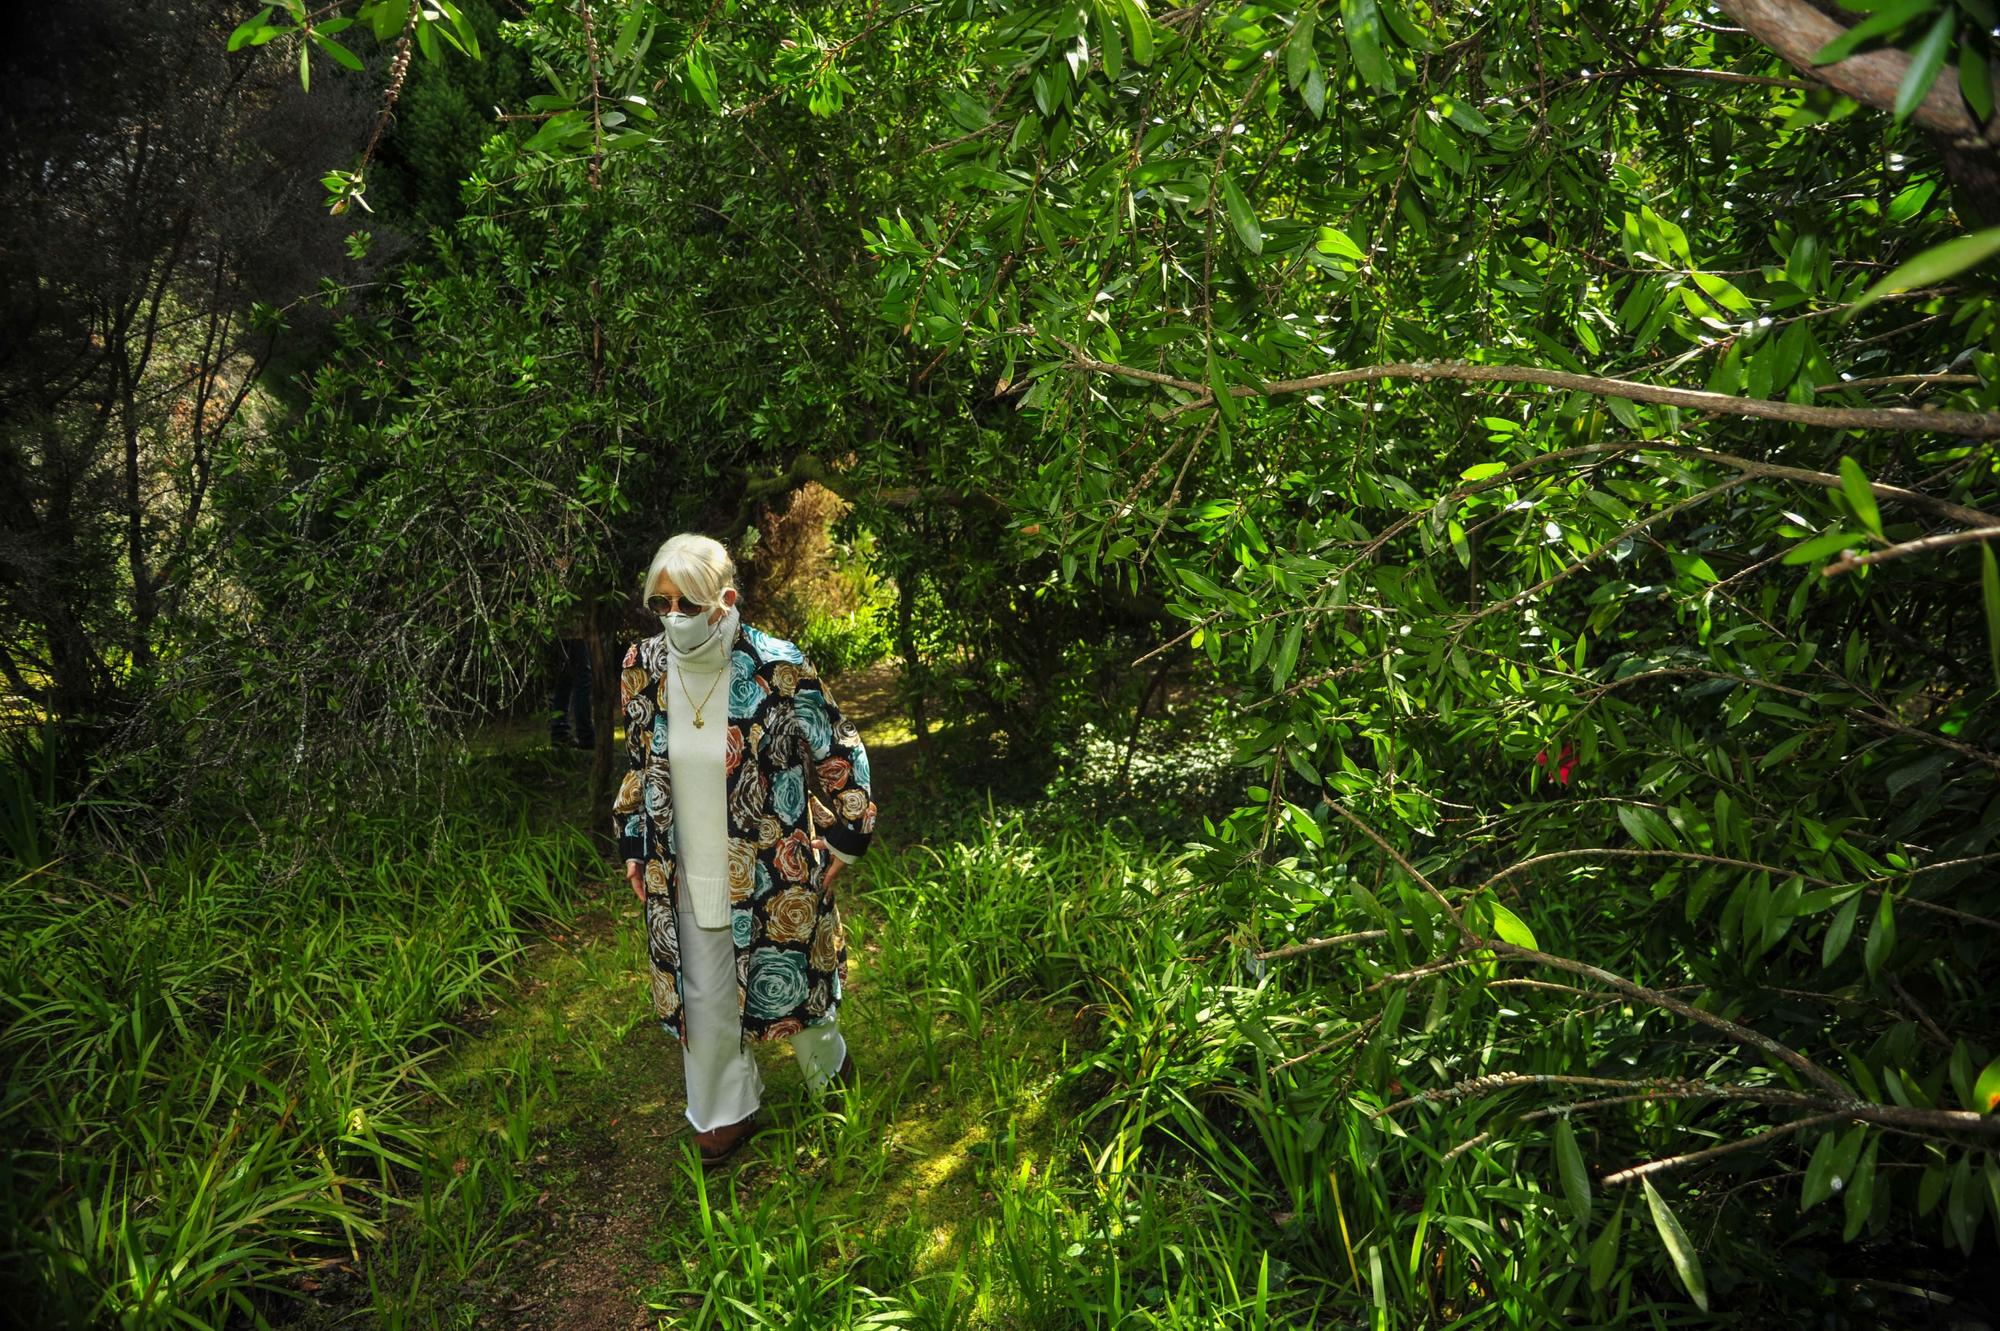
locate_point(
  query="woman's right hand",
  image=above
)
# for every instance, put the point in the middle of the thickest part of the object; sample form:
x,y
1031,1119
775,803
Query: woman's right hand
x,y
635,874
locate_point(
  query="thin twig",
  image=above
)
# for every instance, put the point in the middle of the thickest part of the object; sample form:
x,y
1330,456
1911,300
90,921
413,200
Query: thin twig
x,y
1848,562
1692,1157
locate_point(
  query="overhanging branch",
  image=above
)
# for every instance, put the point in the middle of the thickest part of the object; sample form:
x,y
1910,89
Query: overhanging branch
x,y
1975,424
1797,31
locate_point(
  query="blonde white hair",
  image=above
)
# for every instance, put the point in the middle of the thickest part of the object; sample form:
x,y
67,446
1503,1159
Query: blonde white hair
x,y
699,565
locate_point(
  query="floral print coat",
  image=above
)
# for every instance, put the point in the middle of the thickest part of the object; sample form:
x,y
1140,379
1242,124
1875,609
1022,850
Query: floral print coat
x,y
795,766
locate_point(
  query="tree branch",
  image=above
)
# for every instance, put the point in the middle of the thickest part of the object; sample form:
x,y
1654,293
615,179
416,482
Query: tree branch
x,y
1847,563
1693,1157
1797,31
1976,424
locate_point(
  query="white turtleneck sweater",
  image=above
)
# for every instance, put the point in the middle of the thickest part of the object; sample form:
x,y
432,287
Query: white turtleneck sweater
x,y
698,761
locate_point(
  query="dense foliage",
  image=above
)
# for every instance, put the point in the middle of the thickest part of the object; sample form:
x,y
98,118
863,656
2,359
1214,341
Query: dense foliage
x,y
1347,328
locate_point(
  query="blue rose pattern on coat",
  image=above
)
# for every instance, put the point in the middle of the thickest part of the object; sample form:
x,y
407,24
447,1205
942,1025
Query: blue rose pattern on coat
x,y
773,649
778,984
792,739
788,794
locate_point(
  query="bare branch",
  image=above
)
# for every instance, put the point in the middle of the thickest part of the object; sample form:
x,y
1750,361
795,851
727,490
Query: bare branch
x,y
1975,424
1847,563
1315,944
1694,1157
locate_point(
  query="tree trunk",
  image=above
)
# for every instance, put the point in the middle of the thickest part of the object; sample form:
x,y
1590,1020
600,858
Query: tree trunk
x,y
906,648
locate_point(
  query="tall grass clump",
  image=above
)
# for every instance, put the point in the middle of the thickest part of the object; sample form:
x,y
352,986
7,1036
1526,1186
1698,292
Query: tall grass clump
x,y
1127,1190
215,1059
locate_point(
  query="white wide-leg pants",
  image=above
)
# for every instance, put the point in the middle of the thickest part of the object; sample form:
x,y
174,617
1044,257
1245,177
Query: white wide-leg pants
x,y
723,1084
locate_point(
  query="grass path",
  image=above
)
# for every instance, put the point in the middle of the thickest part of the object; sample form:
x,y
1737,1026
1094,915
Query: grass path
x,y
559,1126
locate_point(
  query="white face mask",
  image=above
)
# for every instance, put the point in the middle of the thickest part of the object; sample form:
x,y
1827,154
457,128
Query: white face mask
x,y
690,633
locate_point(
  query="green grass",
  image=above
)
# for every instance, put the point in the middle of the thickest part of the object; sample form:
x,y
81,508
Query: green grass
x,y
217,1062
410,1079
1001,1163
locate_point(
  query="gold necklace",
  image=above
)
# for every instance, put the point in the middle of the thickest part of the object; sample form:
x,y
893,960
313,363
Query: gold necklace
x,y
682,672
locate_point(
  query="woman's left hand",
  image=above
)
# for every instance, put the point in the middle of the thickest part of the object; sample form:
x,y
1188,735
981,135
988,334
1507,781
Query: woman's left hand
x,y
834,864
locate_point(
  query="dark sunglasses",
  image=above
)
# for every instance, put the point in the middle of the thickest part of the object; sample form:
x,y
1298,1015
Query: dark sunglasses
x,y
660,604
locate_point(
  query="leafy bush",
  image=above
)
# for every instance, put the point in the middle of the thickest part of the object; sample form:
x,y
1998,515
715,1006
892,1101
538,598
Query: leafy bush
x,y
839,643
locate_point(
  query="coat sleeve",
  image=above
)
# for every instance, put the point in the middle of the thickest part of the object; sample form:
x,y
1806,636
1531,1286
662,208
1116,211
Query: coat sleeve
x,y
628,810
837,767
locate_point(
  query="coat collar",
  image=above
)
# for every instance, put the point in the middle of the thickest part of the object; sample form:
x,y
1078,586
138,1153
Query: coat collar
x,y
744,659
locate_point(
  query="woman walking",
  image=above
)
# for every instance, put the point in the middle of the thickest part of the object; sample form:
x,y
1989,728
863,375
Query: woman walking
x,y
742,771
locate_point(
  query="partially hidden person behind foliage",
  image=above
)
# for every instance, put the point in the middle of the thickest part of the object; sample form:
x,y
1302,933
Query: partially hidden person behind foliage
x,y
569,690
747,795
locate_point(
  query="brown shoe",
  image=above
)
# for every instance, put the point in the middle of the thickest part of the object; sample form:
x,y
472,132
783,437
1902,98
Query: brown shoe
x,y
717,1145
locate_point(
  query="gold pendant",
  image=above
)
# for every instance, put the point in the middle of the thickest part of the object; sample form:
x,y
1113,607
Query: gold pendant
x,y
697,720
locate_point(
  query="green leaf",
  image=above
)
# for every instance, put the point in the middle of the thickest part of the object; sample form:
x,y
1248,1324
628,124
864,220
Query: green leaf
x,y
1687,1262
1926,61
1635,826
1226,403
467,36
1975,81
1860,1193
1989,583
1299,54
702,75
1288,653
1854,485
1242,216
1201,586
1112,47
1332,240
1839,931
1466,116
1886,19
1986,1091
1313,91
1138,30
1723,293
386,17
1575,1178
1881,936
1847,1155
1479,471
340,54
1936,264
249,29
1962,1204
1455,532
1604,1249
1824,545
628,32
1361,24
1818,1184
1512,929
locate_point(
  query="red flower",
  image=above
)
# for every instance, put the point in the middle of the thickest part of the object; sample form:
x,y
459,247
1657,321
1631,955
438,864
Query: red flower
x,y
1565,762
